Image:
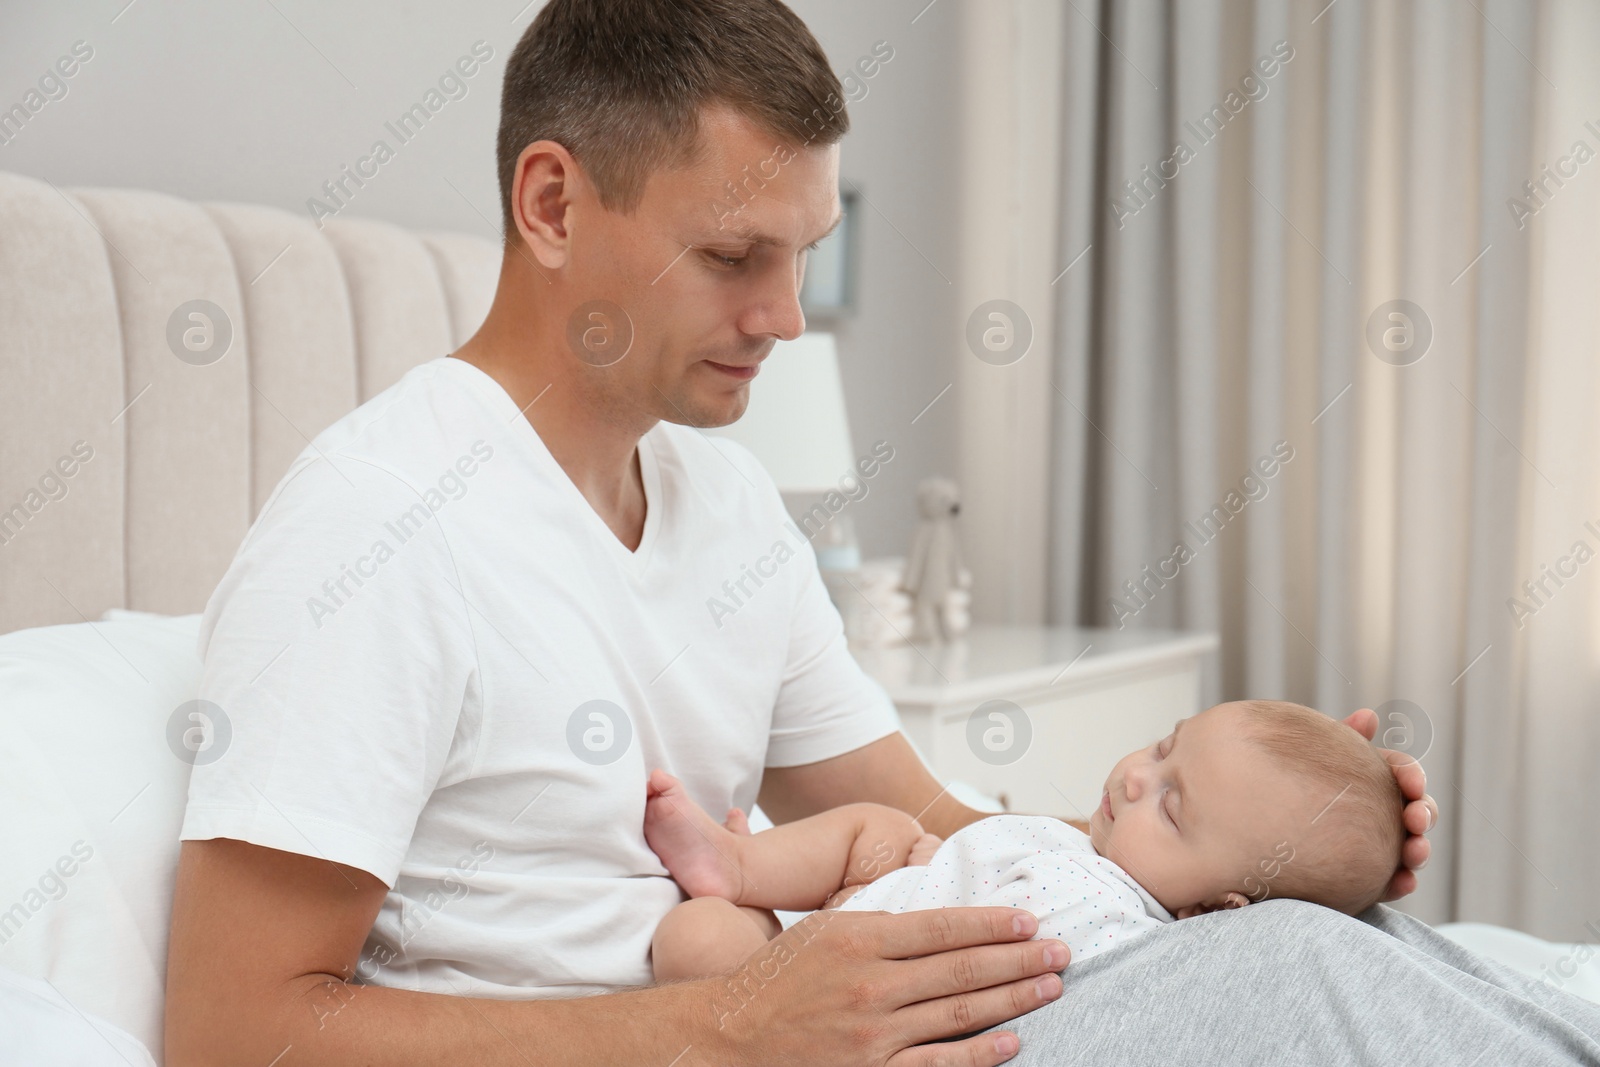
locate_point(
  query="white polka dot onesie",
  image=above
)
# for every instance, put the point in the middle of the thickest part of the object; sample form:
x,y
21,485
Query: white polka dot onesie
x,y
1038,864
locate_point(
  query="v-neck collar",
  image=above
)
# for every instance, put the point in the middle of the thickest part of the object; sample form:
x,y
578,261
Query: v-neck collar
x,y
634,561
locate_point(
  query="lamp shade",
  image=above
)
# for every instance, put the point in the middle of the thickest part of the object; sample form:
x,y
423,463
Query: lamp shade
x,y
796,423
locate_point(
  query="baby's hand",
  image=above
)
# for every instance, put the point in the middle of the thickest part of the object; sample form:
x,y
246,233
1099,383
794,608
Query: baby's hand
x,y
922,851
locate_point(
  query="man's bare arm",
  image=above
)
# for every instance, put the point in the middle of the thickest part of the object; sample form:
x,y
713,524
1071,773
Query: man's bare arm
x,y
887,771
264,943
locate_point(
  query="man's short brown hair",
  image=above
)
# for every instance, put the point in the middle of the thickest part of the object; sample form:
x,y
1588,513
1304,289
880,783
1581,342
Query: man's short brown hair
x,y
621,83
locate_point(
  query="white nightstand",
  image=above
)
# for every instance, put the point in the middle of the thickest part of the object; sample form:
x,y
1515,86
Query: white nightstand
x,y
1038,715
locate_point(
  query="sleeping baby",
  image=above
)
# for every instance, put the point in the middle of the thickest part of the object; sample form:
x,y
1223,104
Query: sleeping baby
x,y
1244,801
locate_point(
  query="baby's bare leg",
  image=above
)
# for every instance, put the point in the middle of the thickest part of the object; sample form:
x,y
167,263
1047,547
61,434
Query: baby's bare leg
x,y
795,866
706,936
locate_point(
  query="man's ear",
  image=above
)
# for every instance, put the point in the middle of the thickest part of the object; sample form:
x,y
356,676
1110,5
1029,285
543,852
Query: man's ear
x,y
542,189
1227,902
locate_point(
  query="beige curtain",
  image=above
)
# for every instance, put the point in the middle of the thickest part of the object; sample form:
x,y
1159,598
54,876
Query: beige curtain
x,y
1361,487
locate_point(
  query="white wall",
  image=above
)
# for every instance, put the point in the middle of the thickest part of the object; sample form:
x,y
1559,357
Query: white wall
x,y
263,102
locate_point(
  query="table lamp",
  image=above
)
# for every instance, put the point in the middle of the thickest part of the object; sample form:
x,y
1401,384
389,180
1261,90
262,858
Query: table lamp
x,y
797,427
796,423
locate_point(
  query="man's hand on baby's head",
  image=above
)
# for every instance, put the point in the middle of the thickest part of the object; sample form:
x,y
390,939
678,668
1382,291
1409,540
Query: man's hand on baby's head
x,y
1421,812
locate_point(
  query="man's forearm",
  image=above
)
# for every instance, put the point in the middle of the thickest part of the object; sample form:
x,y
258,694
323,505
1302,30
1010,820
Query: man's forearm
x,y
949,815
946,815
336,1023
887,771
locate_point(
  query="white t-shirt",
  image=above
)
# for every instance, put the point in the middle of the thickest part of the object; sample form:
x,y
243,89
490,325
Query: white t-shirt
x,y
1025,861
438,664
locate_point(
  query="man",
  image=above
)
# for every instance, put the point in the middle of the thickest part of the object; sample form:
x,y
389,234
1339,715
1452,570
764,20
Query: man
x,y
471,619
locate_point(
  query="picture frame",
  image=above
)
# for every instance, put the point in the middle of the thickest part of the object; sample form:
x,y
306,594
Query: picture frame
x,y
829,290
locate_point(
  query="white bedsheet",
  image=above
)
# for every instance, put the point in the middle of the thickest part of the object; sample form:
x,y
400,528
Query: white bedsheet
x,y
1574,969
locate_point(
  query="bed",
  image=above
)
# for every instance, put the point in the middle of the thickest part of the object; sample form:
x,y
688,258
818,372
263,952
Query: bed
x,y
164,362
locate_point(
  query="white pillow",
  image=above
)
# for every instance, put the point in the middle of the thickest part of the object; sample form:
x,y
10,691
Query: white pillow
x,y
91,799
42,1029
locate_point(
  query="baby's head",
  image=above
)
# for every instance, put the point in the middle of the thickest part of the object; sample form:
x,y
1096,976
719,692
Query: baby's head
x,y
1249,800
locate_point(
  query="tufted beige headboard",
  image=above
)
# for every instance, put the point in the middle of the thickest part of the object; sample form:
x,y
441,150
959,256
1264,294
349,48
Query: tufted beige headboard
x,y
129,475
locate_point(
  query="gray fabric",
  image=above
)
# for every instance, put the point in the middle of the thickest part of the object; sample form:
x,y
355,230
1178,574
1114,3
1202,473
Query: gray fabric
x,y
1284,982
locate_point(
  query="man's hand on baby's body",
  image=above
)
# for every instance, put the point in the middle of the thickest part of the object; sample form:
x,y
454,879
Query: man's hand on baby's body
x,y
867,987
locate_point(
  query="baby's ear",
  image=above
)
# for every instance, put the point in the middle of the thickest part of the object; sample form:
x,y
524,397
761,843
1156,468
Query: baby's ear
x,y
1228,902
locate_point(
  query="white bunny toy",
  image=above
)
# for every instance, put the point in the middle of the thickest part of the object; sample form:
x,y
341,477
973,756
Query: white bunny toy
x,y
935,575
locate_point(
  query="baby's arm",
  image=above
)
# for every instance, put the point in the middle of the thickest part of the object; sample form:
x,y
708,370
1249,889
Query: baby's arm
x,y
795,867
